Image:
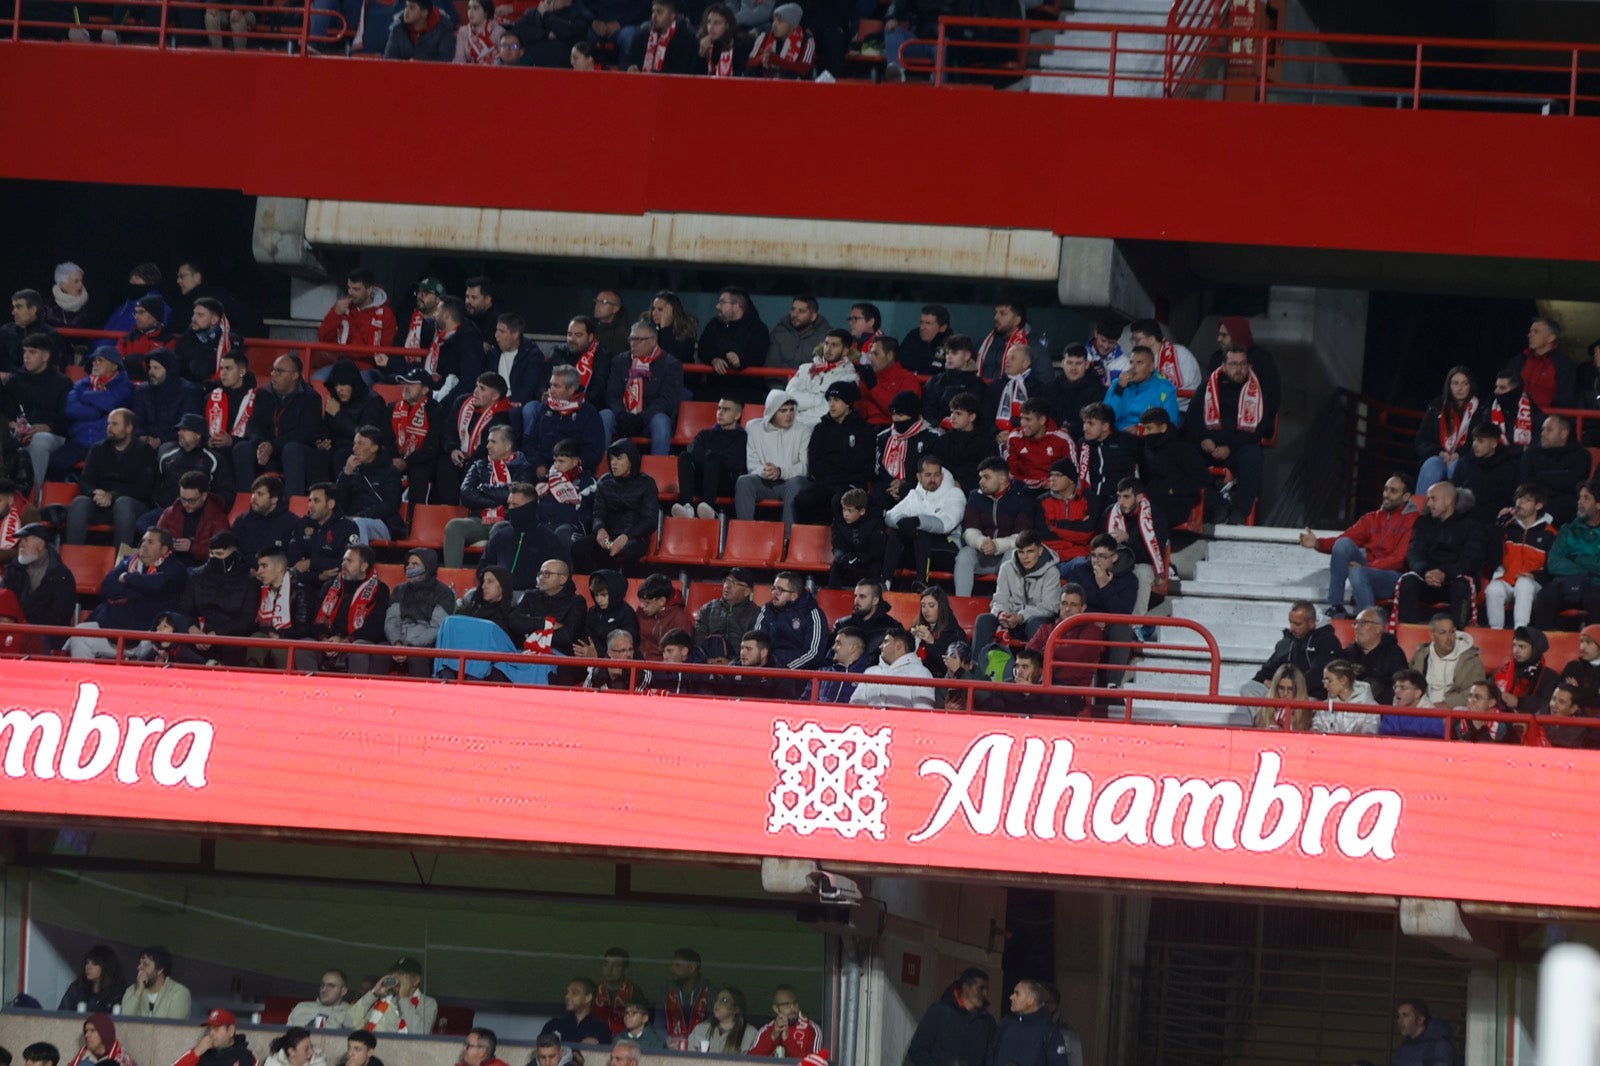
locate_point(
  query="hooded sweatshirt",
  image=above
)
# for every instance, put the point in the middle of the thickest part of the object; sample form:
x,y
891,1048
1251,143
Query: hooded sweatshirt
x,y
938,511
783,448
1450,676
950,1033
1531,682
627,505
1329,720
157,408
370,325
418,606
616,614
1032,593
911,697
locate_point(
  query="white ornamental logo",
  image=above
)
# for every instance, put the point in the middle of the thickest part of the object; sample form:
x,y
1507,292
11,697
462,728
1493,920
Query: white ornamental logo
x,y
829,780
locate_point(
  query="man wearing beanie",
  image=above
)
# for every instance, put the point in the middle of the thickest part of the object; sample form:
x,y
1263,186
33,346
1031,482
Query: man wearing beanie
x,y
786,50
421,32
148,333
164,398
100,1043
1068,525
840,455
900,449
92,398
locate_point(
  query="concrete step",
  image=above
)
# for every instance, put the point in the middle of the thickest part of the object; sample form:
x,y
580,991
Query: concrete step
x,y
1229,679
1117,10
1257,553
1165,712
1237,635
1262,534
1228,572
1225,617
1234,588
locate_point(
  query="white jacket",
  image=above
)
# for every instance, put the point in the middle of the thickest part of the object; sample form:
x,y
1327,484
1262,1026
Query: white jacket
x,y
808,390
938,511
1329,720
783,448
899,696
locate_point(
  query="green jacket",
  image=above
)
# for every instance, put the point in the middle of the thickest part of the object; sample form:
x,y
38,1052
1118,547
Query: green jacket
x,y
1576,550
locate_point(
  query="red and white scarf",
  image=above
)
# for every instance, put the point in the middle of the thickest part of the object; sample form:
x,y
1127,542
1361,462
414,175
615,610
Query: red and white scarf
x,y
430,362
414,330
217,412
898,444
12,521
136,566
795,48
584,365
1008,415
638,371
865,346
499,474
655,50
1453,438
480,45
678,1023
360,603
563,488
562,407
273,613
1081,460
99,384
719,64
471,422
1167,363
1117,522
820,366
1521,429
381,1007
1252,405
224,346
410,424
1015,337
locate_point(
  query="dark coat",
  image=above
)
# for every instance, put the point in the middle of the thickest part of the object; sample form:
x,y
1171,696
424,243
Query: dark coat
x,y
478,493
942,388
436,43
1028,1040
1377,666
373,491
683,52
132,601
262,531
292,419
197,355
1458,546
323,545
129,472
41,397
52,603
1560,471
543,429
962,452
222,595
1310,654
157,408
841,455
663,391
525,542
566,608
627,505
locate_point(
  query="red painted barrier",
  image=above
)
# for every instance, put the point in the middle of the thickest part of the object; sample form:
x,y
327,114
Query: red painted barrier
x,y
953,791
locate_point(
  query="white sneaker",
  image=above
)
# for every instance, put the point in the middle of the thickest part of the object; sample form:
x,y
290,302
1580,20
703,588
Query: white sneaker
x,y
704,510
681,510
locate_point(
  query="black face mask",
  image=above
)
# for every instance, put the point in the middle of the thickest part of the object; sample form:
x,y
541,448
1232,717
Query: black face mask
x,y
216,566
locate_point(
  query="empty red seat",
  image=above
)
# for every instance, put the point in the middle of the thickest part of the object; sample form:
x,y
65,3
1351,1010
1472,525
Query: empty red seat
x,y
751,543
663,470
687,542
427,526
693,416
57,492
810,549
89,563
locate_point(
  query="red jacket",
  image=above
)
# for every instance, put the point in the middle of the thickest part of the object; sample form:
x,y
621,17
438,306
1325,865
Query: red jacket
x,y
213,520
1030,458
1383,535
1068,526
892,381
799,1040
369,325
1071,664
653,627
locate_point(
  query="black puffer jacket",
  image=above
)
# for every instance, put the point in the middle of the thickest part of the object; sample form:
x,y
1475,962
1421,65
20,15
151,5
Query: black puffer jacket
x,y
600,621
949,1034
52,602
1457,545
627,504
222,595
565,610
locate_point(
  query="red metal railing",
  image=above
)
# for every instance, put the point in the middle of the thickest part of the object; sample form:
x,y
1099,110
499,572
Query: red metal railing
x,y
1401,72
1187,50
290,23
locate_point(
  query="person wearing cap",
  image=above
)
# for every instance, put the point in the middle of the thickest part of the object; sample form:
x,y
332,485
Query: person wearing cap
x,y
34,402
194,517
840,455
154,993
720,623
285,422
708,468
148,334
220,1043
42,584
209,337
104,389
1235,331
626,513
100,1044
27,320
116,485
16,513
397,1004
812,382
883,378
776,458
163,399
899,449
644,390
667,44
420,32
415,427
1066,524
419,328
786,50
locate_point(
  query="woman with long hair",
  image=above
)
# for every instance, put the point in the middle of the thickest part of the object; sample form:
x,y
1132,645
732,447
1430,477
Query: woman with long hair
x,y
99,983
676,329
1340,679
935,629
1288,683
1446,431
294,1048
720,44
726,1032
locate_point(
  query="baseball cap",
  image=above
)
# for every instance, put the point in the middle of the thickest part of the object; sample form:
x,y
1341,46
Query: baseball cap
x,y
36,529
219,1017
406,964
433,285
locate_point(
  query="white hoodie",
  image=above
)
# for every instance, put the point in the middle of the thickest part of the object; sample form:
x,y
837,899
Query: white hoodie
x,y
939,511
1329,720
809,390
900,696
783,448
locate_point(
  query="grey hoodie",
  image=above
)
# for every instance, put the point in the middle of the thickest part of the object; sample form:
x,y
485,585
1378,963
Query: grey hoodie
x,y
417,608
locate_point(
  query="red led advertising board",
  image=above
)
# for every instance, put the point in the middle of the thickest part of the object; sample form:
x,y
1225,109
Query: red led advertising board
x,y
958,791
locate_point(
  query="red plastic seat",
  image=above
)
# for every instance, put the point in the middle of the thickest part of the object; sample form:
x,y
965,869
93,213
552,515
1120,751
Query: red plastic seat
x,y
89,563
391,574
461,579
427,526
702,593
966,610
810,549
751,543
663,470
454,1021
693,416
275,1009
835,603
687,542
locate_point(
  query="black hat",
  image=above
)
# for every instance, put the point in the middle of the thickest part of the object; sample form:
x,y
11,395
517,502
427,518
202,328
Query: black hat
x,y
36,529
744,575
225,539
906,403
1065,466
193,423
153,305
847,391
417,375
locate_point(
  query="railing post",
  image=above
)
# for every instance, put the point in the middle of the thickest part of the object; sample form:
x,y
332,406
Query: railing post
x,y
305,38
1416,80
1572,87
16,22
1261,76
161,31
1111,68
938,56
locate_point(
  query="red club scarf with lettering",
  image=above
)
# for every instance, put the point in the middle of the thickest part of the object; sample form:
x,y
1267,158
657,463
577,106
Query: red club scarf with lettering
x,y
1521,428
792,49
410,424
1016,336
224,346
360,603
12,521
1117,522
217,413
414,330
638,372
381,1007
272,613
679,1024
1082,461
1454,427
1008,414
719,64
898,444
584,364
655,50
1167,363
99,384
471,422
563,488
1252,405
499,474
562,407
480,46
611,1005
864,346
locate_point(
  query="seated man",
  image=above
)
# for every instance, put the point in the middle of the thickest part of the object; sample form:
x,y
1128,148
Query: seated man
x,y
666,45
1526,536
359,1048
849,659
661,610
189,454
1306,646
790,1034
351,610
1560,463
676,647
45,589
35,405
1078,647
118,480
708,468
795,626
775,456
736,338
1078,387
1024,695
516,358
269,520
285,421
882,379
1019,382
397,1003
421,33
329,1010
841,454
616,989
486,489
418,607
194,518
1489,470
960,374
1524,680
161,401
1566,704
1573,564
1027,594
1449,663
100,1045
900,448
1139,388
1035,444
318,544
964,441
283,611
1105,456
857,539
787,50
1371,554
755,653
136,591
1135,525
1228,420
620,647
1065,522
1445,560
1409,689
552,613
813,382
209,337
997,510
580,1023
147,335
868,614
644,390
564,415
799,333
1374,652
720,623
220,1044
369,489
927,521
566,494
626,512
898,658
466,440
154,992
1173,361
480,1048
1172,468
525,539
227,408
220,597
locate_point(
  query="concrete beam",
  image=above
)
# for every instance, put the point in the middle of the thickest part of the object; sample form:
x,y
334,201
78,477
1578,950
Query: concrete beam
x,y
1441,923
1094,276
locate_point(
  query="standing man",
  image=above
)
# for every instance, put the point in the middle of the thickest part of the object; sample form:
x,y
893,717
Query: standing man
x,y
616,989
1371,554
686,1000
958,1027
1029,1037
790,1034
1547,375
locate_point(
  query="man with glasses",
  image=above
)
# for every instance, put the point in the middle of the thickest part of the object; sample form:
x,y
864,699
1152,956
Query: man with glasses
x,y
1375,653
795,626
865,325
645,389
194,518
721,623
711,465
610,321
329,1010
479,1049
285,423
790,1034
736,338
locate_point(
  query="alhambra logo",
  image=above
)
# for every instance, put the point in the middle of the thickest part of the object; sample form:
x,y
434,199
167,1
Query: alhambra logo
x,y
833,780
87,744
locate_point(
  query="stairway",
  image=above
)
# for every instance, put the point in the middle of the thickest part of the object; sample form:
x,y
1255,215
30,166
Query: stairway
x,y
1241,592
1083,73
